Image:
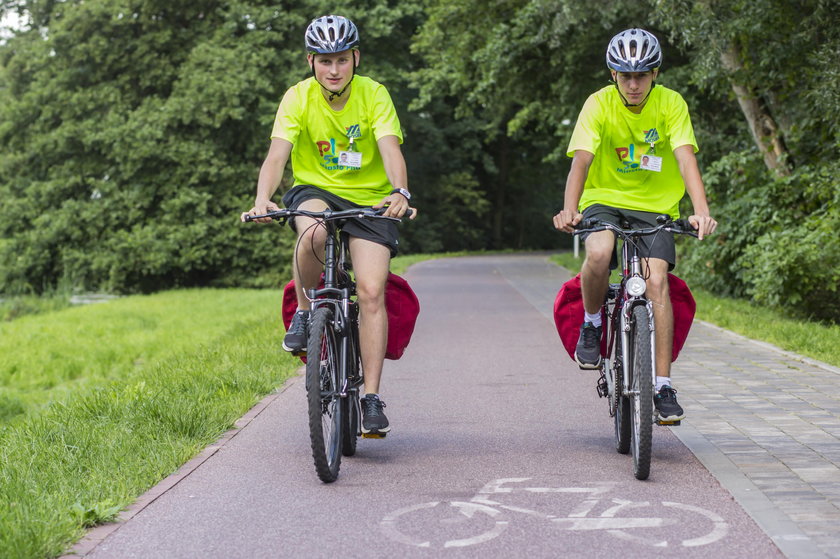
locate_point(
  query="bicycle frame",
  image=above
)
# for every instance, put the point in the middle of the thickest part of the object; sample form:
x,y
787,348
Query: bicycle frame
x,y
632,268
337,293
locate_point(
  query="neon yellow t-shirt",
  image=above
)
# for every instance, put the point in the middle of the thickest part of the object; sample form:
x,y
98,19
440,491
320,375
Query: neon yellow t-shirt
x,y
318,134
619,139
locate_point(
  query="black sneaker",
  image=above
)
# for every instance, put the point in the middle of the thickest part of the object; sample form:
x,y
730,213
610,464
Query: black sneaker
x,y
295,339
588,350
373,418
666,404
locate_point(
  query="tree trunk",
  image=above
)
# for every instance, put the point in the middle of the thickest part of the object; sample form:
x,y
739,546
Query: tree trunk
x,y
762,125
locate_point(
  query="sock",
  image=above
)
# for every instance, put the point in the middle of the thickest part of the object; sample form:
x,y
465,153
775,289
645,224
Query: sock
x,y
662,381
595,319
372,395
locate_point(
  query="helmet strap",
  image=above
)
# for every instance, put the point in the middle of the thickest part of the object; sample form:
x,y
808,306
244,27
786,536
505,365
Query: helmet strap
x,y
334,94
624,99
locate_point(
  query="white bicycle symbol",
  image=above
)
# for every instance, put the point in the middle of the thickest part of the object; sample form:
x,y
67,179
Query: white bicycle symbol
x,y
484,518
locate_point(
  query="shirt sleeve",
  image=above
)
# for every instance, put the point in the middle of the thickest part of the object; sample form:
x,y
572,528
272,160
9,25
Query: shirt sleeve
x,y
384,116
681,130
287,120
587,133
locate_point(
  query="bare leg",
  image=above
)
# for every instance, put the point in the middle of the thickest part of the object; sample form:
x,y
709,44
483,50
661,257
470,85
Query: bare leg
x,y
595,272
663,314
310,252
371,264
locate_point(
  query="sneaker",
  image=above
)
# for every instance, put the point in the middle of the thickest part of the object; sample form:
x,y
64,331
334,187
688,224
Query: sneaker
x,y
666,404
295,339
373,419
588,350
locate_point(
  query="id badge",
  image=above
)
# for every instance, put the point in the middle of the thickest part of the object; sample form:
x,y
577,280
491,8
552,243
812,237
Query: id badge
x,y
651,163
352,159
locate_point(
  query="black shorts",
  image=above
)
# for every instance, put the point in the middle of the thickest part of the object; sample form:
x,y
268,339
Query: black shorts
x,y
661,245
382,231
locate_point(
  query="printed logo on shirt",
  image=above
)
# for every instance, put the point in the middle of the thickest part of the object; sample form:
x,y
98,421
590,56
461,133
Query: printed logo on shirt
x,y
329,157
627,157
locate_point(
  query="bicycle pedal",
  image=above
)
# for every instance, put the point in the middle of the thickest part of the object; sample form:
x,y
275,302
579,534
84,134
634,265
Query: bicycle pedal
x,y
664,422
373,435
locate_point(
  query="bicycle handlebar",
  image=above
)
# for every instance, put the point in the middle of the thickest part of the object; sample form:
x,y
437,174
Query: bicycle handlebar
x,y
329,215
680,226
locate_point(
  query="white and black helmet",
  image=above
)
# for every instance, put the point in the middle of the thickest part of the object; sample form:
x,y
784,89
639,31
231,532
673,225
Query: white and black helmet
x,y
634,50
331,34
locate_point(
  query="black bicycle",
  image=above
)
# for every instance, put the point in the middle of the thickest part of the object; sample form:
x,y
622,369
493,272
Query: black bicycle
x,y
333,360
628,373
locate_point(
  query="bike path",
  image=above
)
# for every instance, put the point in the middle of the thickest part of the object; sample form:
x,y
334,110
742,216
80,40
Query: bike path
x,y
500,448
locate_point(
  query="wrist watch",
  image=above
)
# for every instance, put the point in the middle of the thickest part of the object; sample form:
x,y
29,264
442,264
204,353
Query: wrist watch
x,y
402,191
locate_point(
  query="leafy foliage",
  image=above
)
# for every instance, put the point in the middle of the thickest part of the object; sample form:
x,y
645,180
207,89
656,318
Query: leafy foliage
x,y
132,132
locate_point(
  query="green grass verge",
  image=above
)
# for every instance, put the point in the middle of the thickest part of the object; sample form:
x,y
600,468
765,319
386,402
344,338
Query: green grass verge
x,y
22,305
121,395
812,339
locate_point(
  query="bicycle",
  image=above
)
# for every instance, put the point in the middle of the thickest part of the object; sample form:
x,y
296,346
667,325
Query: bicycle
x,y
630,340
333,358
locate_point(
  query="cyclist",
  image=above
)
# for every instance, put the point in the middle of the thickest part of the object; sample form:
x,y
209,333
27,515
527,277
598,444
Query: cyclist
x,y
633,159
343,135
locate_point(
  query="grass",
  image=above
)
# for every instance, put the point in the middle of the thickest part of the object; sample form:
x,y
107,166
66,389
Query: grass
x,y
112,398
22,305
809,338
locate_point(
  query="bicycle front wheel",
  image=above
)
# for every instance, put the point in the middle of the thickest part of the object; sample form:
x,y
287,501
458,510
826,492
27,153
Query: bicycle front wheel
x,y
641,382
323,388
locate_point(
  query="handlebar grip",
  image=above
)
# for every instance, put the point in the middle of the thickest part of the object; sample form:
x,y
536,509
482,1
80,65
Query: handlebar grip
x,y
588,224
685,225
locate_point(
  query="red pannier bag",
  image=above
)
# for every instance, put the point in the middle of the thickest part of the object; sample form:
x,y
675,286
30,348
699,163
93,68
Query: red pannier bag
x,y
568,314
401,304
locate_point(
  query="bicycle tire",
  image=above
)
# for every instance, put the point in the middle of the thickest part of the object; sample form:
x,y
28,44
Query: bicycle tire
x,y
642,400
326,414
621,418
350,423
352,408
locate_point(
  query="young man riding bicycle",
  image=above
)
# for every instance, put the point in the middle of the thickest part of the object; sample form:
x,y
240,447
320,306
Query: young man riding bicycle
x,y
343,135
633,156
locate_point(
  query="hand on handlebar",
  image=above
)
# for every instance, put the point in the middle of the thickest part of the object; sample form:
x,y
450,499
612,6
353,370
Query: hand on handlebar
x,y
396,206
703,224
260,208
566,220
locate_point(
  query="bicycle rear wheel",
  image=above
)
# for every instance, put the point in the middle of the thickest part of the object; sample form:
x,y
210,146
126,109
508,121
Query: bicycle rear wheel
x,y
323,386
641,381
352,409
622,403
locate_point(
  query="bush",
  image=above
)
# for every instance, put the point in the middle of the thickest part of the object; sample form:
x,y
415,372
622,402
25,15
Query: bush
x,y
777,239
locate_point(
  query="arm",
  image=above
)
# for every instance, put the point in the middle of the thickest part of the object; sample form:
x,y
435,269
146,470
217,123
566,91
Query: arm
x,y
701,219
570,216
271,174
392,158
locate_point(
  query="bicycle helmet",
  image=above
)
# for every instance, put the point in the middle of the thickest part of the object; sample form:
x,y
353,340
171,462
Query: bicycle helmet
x,y
331,34
634,50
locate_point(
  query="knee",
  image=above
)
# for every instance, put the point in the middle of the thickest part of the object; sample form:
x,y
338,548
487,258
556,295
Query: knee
x,y
657,286
312,237
598,259
371,297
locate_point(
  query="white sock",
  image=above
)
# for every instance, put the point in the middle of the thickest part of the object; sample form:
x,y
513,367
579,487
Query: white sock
x,y
595,319
662,381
